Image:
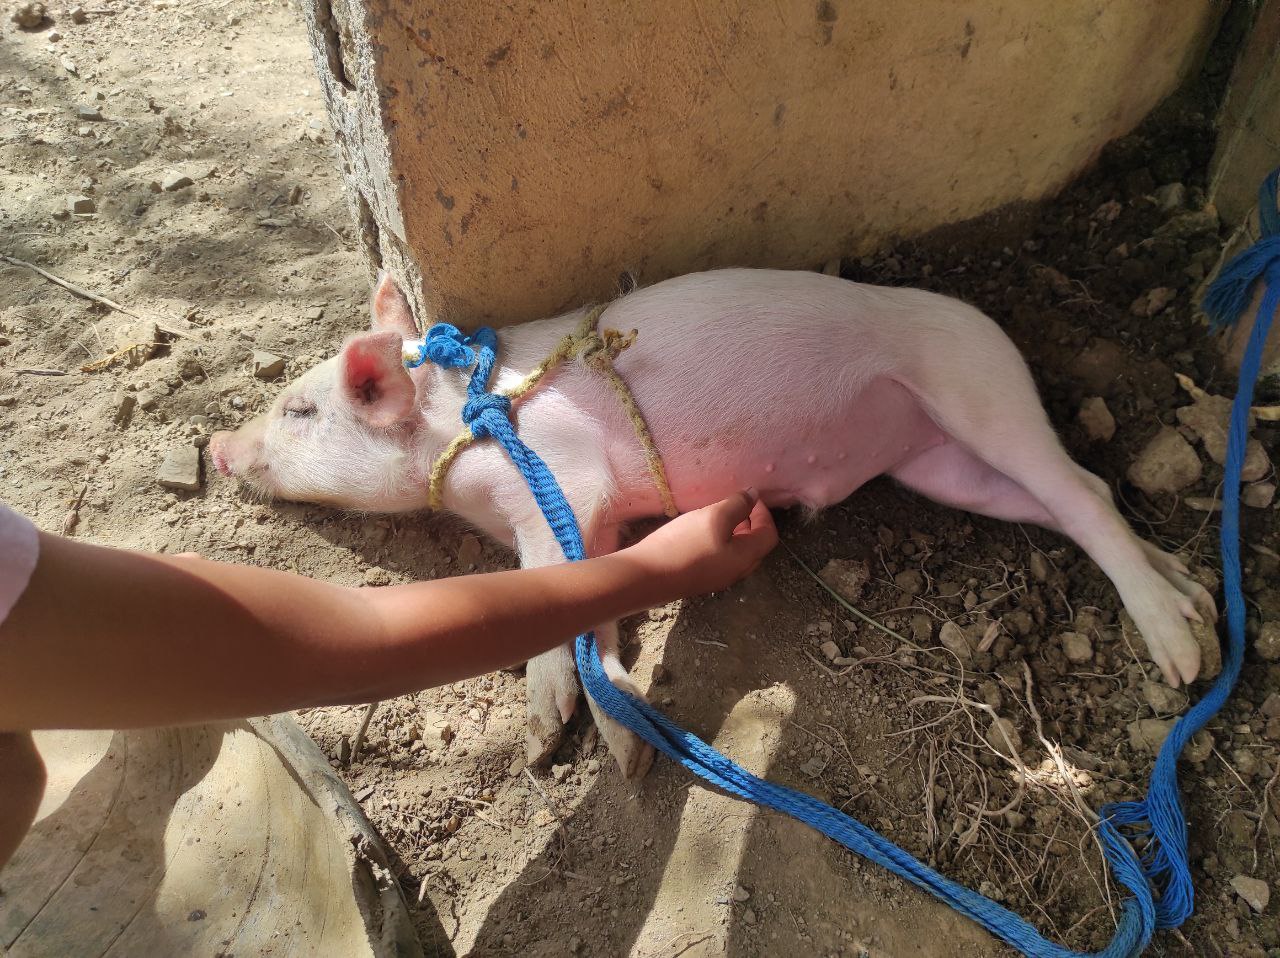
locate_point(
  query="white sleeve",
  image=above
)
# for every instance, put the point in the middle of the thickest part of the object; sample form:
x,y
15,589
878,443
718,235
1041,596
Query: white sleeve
x,y
19,549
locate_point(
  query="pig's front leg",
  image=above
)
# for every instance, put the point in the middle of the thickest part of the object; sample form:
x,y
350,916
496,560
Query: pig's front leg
x,y
551,683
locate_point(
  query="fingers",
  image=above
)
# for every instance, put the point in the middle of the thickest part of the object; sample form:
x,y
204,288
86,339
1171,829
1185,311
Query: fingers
x,y
760,535
729,513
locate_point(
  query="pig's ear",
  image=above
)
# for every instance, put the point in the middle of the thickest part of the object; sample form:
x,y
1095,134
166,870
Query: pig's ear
x,y
391,310
374,379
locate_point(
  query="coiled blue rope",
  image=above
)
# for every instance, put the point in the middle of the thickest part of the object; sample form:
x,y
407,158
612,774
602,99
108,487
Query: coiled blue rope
x,y
1159,881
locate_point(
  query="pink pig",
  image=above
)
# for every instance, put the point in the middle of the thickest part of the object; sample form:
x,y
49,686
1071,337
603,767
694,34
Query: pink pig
x,y
800,385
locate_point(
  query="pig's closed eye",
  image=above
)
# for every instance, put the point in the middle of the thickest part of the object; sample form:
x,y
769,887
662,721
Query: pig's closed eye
x,y
299,409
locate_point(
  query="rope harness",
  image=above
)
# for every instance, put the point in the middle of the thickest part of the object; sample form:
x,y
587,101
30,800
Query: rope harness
x,y
1158,877
446,346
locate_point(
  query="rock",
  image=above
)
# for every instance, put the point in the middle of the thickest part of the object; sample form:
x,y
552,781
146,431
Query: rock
x,y
180,469
1267,645
1164,700
1147,735
921,628
561,772
315,312
1152,301
814,767
28,16
1039,566
470,551
174,181
1258,495
1254,891
344,750
77,15
1271,706
267,365
1096,419
148,400
748,916
1171,197
517,765
1100,366
846,577
138,339
1208,417
124,405
1206,637
1188,225
953,638
1256,463
88,112
1001,734
740,894
8,400
81,204
1167,464
909,581
1077,647
830,650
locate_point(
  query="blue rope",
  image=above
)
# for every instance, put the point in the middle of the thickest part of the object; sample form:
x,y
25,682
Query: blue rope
x,y
1159,880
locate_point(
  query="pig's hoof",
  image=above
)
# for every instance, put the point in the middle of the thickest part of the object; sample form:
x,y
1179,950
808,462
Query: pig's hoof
x,y
633,755
540,743
1178,575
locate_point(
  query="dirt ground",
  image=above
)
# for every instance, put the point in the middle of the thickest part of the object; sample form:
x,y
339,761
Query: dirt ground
x,y
254,253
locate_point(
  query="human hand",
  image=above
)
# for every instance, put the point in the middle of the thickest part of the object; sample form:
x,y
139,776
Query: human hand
x,y
710,548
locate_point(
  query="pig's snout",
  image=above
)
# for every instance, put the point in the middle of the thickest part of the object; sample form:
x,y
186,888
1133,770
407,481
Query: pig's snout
x,y
218,452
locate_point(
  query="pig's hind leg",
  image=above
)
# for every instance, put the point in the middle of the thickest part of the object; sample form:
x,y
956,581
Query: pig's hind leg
x,y
1038,483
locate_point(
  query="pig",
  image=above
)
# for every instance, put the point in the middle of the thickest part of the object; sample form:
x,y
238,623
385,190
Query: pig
x,y
800,385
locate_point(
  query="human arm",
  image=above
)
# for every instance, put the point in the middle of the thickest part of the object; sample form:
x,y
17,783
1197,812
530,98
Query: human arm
x,y
115,639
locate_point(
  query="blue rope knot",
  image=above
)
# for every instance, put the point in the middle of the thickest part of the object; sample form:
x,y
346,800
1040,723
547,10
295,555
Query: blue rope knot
x,y
446,346
476,412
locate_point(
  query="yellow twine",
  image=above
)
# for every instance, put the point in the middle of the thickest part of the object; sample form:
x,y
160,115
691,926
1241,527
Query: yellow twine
x,y
599,349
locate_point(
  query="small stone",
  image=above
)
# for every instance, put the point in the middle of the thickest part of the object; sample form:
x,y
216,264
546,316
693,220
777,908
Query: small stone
x,y
561,772
1002,734
315,312
28,16
910,581
1271,706
748,916
1039,567
69,65
1147,735
344,750
236,402
1096,419
174,181
1208,417
1259,495
8,400
847,577
1171,197
77,15
470,551
516,766
1188,225
437,732
740,894
124,405
89,112
364,793
81,204
1152,301
1077,647
1254,891
1206,637
267,365
814,767
1267,645
1168,464
1256,462
180,469
830,650
1164,700
593,765
953,639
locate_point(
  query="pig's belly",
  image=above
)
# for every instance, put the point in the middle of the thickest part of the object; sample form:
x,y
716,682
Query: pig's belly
x,y
807,456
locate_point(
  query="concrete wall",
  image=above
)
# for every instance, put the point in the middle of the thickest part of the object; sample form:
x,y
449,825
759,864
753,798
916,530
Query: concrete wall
x,y
509,160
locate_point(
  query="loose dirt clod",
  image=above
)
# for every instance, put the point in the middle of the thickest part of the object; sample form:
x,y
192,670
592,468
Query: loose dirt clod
x,y
180,469
1167,464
